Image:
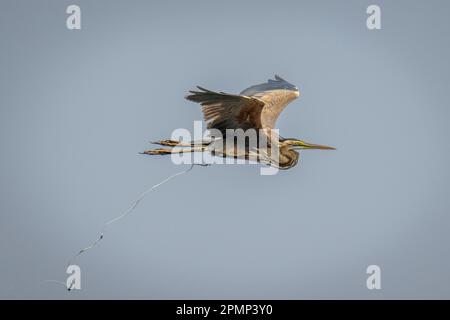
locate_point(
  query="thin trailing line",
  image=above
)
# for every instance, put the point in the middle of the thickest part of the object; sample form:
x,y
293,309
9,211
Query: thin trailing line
x,y
126,213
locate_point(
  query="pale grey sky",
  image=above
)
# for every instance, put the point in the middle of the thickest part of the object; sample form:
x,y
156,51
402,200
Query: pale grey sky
x,y
76,107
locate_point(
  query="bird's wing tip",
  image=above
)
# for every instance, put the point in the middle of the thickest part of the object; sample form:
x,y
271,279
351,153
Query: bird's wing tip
x,y
203,89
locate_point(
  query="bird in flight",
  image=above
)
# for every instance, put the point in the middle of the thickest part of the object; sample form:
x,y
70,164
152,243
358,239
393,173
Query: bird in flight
x,y
254,110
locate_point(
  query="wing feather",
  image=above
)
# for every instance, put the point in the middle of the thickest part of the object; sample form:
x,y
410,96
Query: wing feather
x,y
257,107
228,111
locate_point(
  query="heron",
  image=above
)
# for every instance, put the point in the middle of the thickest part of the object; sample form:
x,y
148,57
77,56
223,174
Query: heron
x,y
255,108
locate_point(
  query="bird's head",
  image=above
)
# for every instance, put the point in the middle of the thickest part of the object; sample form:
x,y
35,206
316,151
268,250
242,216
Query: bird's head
x,y
301,145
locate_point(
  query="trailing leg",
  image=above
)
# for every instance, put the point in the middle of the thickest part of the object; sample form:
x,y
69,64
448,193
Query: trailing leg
x,y
164,151
175,143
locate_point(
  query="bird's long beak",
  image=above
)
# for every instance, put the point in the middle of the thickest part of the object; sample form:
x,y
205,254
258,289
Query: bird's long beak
x,y
306,145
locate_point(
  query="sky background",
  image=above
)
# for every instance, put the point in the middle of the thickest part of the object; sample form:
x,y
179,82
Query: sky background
x,y
76,107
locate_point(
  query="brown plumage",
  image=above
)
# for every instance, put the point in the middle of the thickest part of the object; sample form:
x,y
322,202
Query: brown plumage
x,y
258,108
228,111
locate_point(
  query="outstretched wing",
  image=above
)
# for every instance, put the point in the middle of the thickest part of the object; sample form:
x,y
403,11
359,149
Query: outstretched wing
x,y
256,107
276,95
228,111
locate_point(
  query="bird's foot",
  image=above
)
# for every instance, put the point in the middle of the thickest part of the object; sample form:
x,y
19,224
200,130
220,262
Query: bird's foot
x,y
167,142
157,152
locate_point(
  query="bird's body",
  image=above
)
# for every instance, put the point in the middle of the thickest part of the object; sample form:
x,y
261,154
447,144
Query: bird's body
x,y
253,112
